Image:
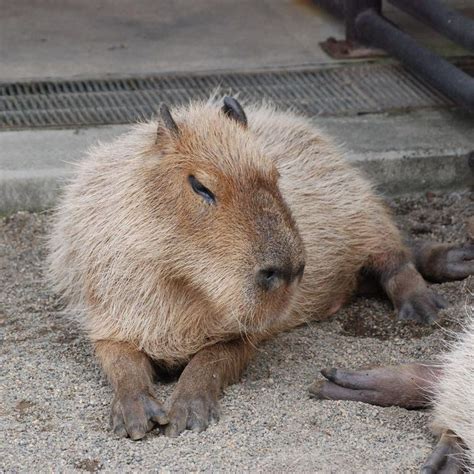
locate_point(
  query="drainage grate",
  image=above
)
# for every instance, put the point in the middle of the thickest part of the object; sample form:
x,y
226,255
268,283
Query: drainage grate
x,y
348,90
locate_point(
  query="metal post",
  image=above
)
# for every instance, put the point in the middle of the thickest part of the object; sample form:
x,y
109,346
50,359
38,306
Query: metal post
x,y
352,8
334,7
365,25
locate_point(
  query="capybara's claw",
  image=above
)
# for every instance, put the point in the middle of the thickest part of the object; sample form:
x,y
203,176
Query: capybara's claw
x,y
134,415
443,262
191,411
315,389
459,262
354,379
332,389
422,307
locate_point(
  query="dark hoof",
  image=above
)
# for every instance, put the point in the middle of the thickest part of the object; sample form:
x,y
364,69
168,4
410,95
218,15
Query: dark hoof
x,y
315,390
346,385
191,412
404,385
422,307
459,262
451,263
134,415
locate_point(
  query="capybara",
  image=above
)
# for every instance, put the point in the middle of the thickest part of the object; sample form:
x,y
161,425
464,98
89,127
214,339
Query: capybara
x,y
194,237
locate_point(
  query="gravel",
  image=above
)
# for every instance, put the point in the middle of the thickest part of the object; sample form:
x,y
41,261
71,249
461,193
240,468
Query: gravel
x,y
55,401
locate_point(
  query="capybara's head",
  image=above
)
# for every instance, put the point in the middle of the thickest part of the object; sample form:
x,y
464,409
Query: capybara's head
x,y
231,238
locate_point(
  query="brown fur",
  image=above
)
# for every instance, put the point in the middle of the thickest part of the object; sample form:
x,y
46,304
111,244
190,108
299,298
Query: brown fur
x,y
201,382
152,265
155,268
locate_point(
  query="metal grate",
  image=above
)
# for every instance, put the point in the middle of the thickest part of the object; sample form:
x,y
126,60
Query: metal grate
x,y
342,90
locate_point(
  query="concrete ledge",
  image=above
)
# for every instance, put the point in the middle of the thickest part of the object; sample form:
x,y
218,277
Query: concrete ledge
x,y
415,151
399,173
34,163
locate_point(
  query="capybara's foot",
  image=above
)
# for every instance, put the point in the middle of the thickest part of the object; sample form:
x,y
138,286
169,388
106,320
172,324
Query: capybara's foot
x,y
407,385
443,262
421,305
194,402
134,408
135,414
447,457
191,411
411,296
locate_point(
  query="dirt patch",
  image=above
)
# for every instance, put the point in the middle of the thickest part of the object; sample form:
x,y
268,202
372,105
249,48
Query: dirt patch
x,y
24,406
89,465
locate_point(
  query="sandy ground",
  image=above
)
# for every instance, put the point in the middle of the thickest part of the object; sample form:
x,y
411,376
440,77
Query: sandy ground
x,y
55,402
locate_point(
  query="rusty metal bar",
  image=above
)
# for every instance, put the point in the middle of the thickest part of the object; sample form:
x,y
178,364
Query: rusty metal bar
x,y
443,19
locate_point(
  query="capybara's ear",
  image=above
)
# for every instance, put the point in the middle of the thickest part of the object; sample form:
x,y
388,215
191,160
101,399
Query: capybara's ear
x,y
234,110
167,123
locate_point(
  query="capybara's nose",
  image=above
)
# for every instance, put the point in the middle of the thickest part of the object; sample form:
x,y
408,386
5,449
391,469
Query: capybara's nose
x,y
272,277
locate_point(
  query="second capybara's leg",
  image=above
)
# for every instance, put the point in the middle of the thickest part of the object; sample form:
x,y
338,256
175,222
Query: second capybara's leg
x,y
407,385
194,402
447,457
443,262
404,285
135,410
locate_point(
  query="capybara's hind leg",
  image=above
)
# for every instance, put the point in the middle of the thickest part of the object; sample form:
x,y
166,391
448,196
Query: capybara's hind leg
x,y
407,385
404,285
194,402
447,457
135,411
443,262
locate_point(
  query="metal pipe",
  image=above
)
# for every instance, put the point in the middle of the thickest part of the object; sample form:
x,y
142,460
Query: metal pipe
x,y
378,32
443,19
334,7
352,9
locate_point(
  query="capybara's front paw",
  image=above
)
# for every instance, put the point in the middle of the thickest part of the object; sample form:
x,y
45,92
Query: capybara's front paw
x,y
134,414
192,411
421,306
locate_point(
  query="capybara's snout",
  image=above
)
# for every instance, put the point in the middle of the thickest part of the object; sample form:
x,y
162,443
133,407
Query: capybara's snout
x,y
280,260
281,254
272,277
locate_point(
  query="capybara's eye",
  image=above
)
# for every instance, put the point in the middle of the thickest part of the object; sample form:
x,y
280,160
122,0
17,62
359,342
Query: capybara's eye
x,y
200,189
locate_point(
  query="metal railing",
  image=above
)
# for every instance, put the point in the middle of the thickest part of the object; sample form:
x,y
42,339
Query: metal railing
x,y
367,27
